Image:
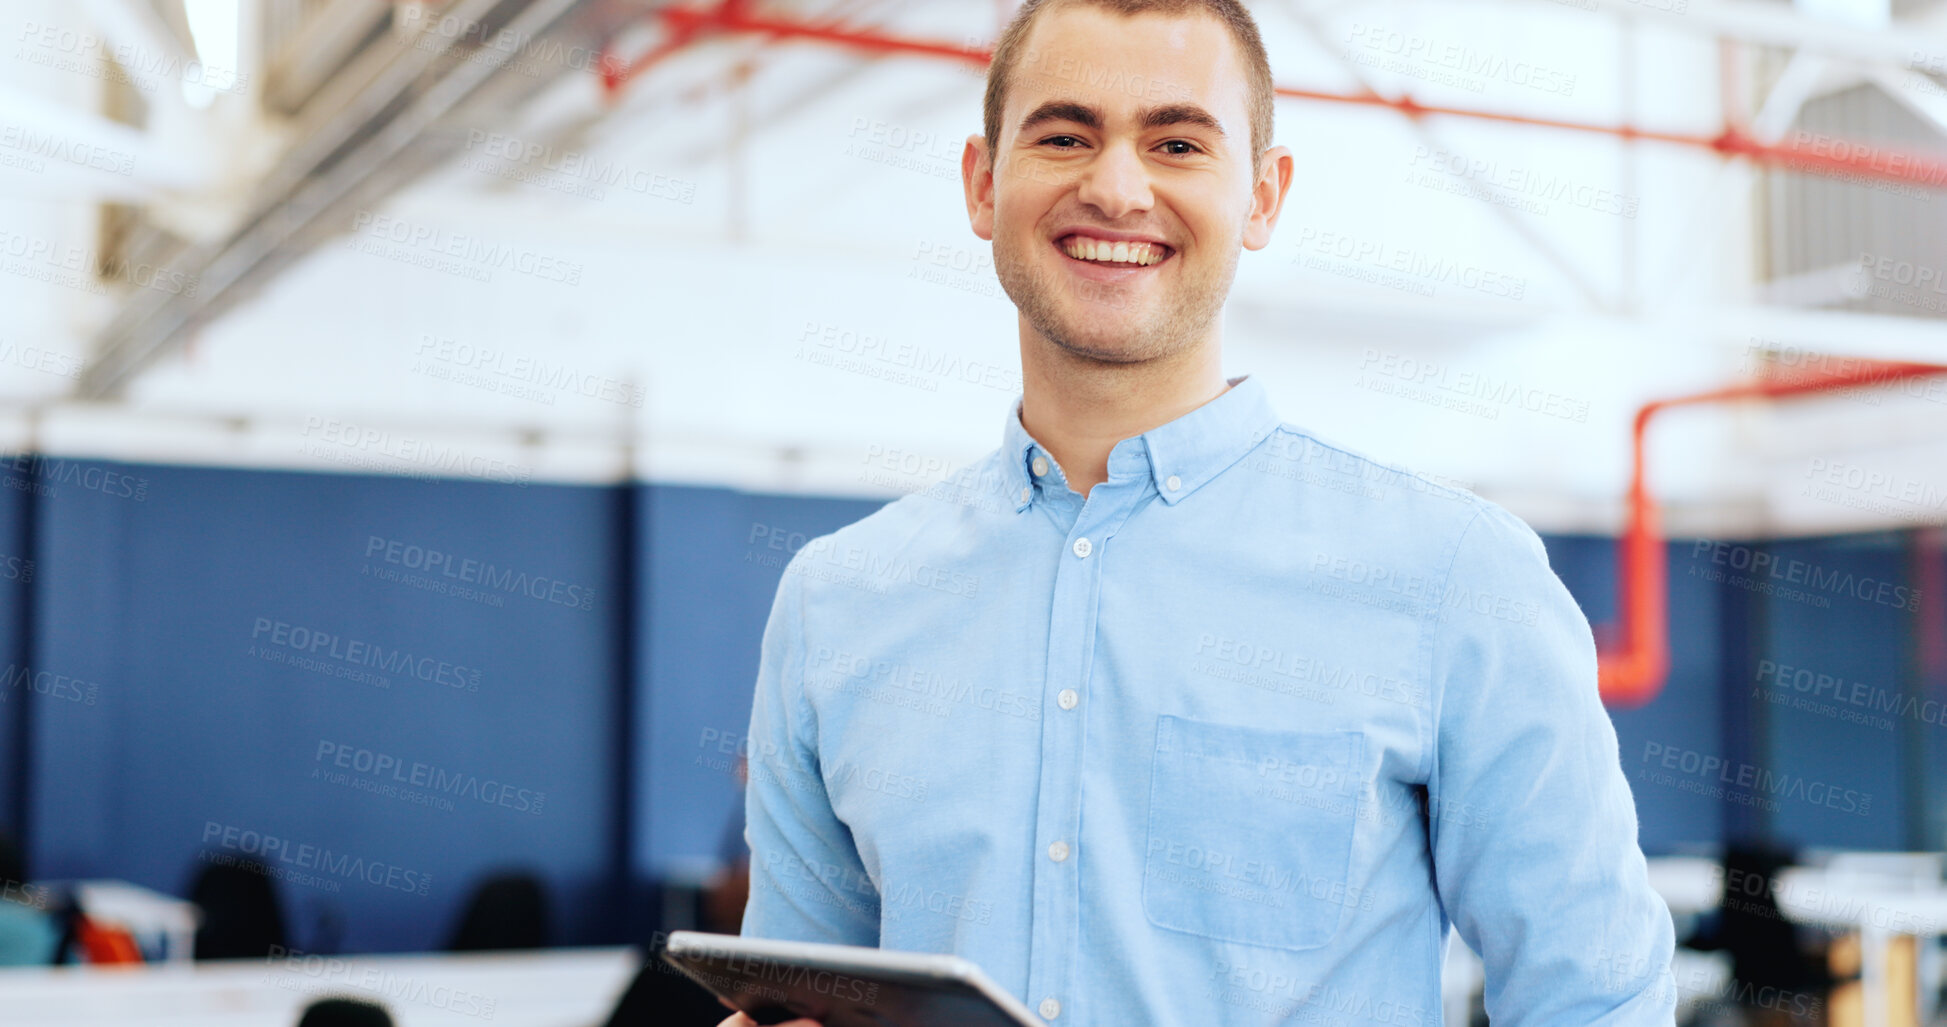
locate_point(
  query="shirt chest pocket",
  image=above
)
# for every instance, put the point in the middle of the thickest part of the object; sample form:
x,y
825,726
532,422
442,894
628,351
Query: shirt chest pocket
x,y
1251,832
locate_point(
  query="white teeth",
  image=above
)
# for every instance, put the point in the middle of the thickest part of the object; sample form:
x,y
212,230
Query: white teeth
x,y
1139,253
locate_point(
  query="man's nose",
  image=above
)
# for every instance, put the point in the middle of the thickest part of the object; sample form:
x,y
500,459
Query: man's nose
x,y
1117,183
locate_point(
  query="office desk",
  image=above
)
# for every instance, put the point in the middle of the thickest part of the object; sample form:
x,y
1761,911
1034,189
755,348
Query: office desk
x,y
1843,901
552,988
1878,912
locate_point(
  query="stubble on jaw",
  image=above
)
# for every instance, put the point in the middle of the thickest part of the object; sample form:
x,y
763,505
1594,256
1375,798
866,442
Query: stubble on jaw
x,y
1166,333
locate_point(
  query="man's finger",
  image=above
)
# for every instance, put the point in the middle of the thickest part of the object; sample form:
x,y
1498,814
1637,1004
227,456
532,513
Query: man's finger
x,y
740,1020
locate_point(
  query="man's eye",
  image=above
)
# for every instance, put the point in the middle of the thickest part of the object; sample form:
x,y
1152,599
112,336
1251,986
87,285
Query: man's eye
x,y
1063,141
1188,147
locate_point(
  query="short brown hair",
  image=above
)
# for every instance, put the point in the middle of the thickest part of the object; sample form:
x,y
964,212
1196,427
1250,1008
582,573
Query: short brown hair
x,y
1250,47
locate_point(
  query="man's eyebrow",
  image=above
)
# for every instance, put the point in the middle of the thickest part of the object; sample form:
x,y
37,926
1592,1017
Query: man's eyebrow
x,y
1180,114
1063,110
1149,117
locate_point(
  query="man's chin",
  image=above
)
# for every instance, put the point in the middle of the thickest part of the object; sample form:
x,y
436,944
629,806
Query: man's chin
x,y
1110,343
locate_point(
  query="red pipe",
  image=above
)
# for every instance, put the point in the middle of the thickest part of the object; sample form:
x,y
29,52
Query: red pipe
x,y
685,24
729,16
1413,108
1633,673
1819,156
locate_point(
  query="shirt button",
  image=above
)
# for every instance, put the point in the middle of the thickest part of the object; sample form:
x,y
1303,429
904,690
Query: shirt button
x,y
1058,852
1067,699
1083,547
1040,466
1050,1009
1026,491
1173,483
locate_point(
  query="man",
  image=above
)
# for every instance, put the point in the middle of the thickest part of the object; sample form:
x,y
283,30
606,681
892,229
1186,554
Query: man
x,y
1169,712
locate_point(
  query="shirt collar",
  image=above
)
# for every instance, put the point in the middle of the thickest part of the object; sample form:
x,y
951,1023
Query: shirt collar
x,y
1184,453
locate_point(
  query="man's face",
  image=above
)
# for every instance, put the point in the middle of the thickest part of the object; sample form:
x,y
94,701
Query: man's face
x,y
1122,184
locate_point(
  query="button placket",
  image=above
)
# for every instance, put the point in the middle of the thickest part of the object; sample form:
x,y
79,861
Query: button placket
x,y
1056,929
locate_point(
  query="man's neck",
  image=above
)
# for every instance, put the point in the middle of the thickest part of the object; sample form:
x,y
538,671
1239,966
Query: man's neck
x,y
1079,409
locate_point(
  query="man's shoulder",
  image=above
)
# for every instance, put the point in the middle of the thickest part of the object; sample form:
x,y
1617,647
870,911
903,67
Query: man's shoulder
x,y
933,515
1395,503
1315,458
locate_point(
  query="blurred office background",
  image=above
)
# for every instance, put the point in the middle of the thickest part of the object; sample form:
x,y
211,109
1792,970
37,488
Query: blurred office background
x,y
409,409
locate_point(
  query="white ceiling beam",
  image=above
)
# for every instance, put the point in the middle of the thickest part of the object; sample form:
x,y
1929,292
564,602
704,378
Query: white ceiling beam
x,y
95,155
1914,43
1839,333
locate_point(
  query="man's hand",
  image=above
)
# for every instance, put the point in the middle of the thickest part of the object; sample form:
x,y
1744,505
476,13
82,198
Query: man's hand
x,y
740,1020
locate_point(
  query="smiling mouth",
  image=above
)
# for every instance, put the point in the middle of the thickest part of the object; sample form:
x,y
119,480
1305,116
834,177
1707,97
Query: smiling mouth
x,y
1113,254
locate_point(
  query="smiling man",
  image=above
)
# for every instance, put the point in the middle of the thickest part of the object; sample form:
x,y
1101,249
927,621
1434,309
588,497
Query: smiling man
x,y
1170,712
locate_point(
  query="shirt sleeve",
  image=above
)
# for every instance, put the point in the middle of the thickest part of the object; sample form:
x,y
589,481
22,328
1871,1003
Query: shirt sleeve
x,y
1532,824
807,882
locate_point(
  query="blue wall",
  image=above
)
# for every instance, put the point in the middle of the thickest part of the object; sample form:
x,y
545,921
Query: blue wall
x,y
712,563
171,609
17,573
586,700
1685,713
1863,642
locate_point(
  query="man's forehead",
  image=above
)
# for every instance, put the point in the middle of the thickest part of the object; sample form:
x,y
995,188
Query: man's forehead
x,y
1125,65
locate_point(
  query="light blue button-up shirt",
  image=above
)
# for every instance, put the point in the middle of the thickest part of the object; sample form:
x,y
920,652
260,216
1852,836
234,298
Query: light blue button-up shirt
x,y
1233,740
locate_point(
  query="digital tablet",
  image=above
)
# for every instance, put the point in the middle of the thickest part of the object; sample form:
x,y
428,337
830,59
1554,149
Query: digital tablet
x,y
844,985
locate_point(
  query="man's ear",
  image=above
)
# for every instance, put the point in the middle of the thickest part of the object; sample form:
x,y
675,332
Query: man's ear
x,y
977,178
1267,196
